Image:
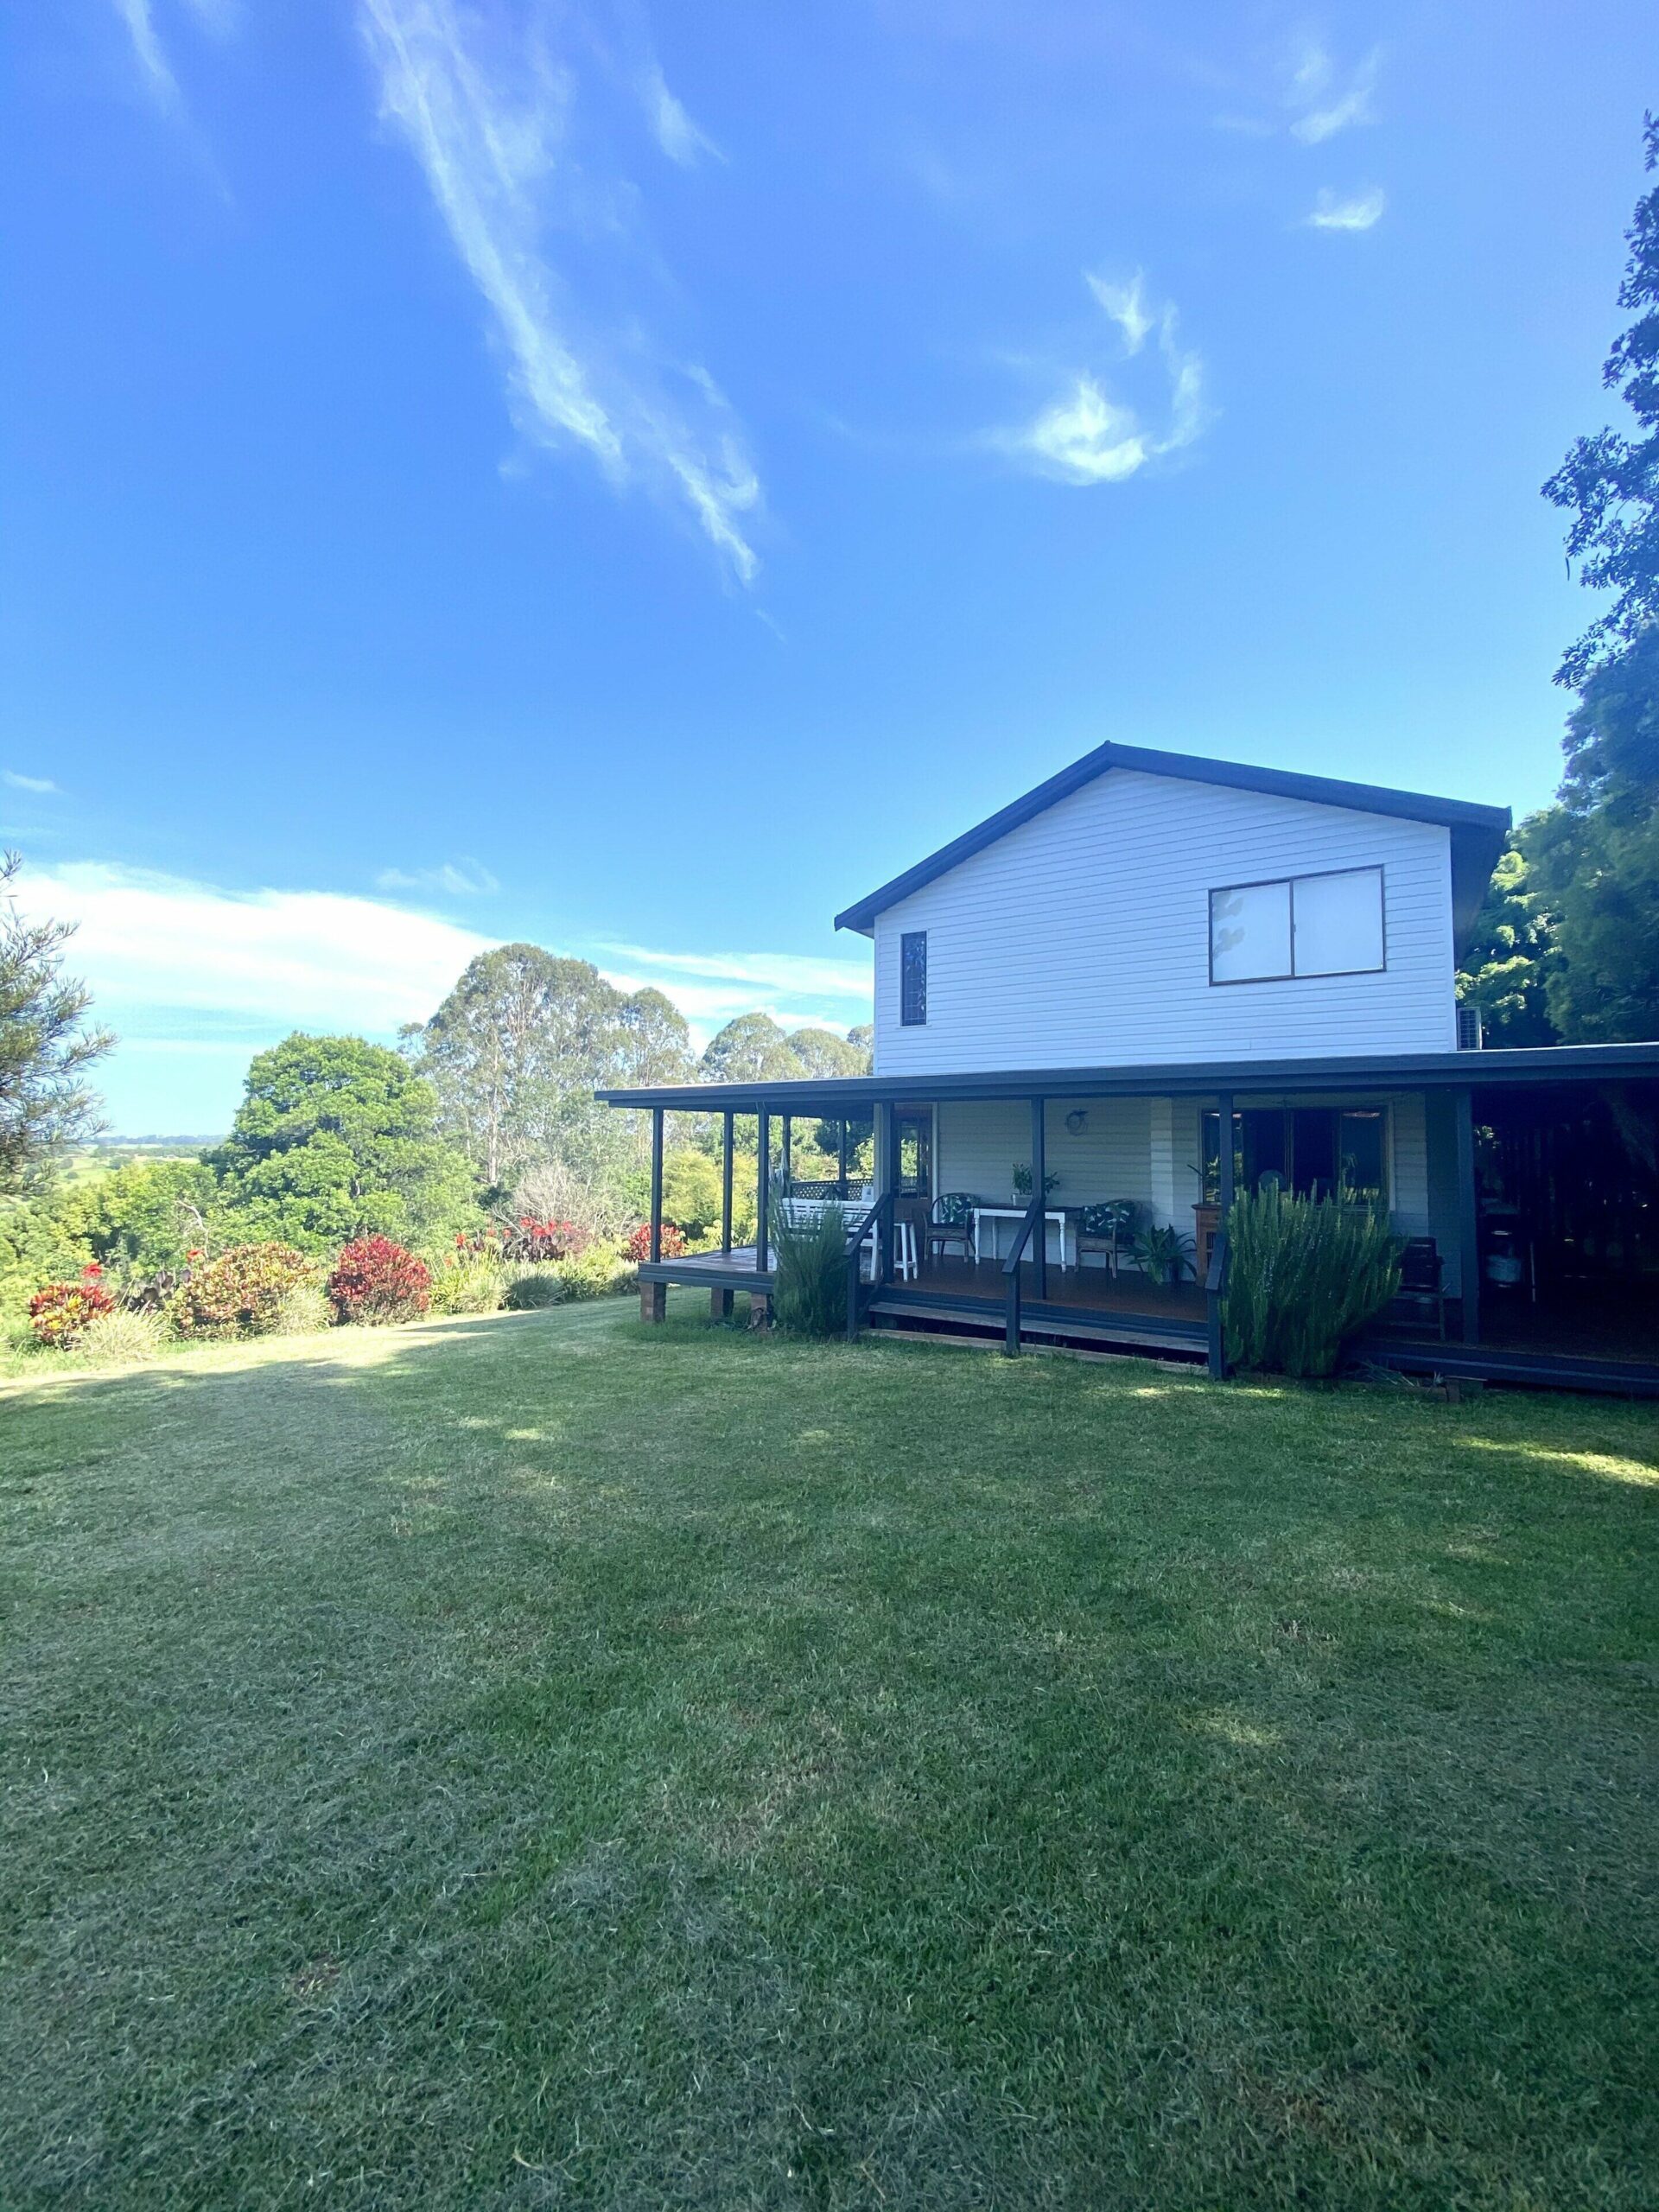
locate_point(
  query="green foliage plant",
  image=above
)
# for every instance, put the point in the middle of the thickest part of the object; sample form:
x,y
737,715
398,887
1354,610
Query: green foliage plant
x,y
1304,1276
1162,1252
468,1283
808,1248
531,1287
599,1272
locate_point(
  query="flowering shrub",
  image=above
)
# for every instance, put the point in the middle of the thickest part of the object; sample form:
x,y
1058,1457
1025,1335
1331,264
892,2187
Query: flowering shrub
x,y
61,1312
638,1246
375,1280
547,1240
243,1293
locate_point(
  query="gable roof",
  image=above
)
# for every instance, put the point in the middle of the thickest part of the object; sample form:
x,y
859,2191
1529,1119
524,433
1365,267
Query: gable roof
x,y
1477,832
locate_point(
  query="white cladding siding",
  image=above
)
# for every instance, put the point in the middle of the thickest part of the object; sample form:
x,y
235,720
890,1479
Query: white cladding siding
x,y
1082,939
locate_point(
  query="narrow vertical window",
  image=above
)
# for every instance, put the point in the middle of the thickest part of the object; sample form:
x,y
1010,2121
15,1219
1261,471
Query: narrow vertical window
x,y
913,977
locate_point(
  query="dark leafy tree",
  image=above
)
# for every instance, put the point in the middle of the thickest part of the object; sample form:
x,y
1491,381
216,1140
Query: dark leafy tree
x,y
1611,482
46,1046
337,1138
1507,968
1593,860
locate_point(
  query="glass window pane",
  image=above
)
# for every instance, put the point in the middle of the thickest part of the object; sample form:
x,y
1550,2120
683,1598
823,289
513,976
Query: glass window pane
x,y
1361,1139
1313,1157
913,977
1250,933
1340,922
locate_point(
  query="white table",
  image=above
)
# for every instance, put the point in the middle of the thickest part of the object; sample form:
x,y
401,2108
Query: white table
x,y
1056,1214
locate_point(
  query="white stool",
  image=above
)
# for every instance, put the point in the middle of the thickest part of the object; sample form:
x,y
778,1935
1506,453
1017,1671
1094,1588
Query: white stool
x,y
904,1250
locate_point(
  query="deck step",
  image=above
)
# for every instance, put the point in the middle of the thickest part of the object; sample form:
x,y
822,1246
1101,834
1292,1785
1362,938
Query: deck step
x,y
980,1317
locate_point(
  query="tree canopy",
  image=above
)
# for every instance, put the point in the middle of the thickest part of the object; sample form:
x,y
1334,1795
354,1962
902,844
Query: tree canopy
x,y
1507,968
1610,481
516,1049
338,1138
46,1047
755,1049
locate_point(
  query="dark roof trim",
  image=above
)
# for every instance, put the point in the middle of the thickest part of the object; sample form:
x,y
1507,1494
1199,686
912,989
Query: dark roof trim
x,y
1477,832
1534,1065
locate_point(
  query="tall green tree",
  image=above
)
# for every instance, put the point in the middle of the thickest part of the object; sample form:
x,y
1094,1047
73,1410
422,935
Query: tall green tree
x,y
1593,859
339,1138
1609,481
46,1045
1513,950
518,1047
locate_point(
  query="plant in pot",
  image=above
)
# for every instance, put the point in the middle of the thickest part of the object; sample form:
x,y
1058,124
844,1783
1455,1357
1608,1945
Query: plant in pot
x,y
1022,1183
1163,1253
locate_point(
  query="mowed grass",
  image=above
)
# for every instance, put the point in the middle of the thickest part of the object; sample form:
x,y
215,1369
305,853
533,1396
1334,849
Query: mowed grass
x,y
546,1761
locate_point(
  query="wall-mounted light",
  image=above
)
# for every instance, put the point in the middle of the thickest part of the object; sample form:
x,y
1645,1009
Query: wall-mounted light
x,y
1076,1121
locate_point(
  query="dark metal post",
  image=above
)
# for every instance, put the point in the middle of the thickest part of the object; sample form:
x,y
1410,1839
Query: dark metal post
x,y
841,1153
763,1193
1463,1110
656,1184
726,1187
789,1149
1226,1192
1039,1177
886,1179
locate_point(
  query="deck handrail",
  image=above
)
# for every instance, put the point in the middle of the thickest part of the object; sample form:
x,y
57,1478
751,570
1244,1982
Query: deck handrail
x,y
870,1222
1215,1293
1036,1211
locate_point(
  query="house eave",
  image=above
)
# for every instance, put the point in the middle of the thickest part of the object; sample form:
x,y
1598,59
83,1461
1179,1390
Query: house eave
x,y
1528,1067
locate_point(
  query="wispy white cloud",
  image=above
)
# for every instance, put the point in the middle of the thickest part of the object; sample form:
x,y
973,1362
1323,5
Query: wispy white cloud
x,y
1127,306
157,947
1357,213
40,785
464,879
1085,434
673,129
1322,100
711,988
483,106
139,17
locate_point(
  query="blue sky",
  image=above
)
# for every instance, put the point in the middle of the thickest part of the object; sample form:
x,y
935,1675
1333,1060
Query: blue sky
x,y
635,480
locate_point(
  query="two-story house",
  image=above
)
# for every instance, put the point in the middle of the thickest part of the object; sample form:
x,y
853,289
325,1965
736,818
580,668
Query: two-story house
x,y
1153,981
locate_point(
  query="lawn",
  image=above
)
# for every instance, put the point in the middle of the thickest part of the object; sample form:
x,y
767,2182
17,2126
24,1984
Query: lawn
x,y
544,1762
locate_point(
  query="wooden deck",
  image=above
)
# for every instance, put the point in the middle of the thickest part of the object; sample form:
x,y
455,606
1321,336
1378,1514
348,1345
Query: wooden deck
x,y
1604,1346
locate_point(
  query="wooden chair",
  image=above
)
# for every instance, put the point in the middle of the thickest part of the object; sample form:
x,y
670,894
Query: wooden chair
x,y
1423,1277
1107,1227
952,1223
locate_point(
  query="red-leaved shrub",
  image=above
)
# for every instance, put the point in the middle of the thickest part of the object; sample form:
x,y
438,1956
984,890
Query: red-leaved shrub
x,y
547,1240
375,1280
59,1311
638,1245
239,1294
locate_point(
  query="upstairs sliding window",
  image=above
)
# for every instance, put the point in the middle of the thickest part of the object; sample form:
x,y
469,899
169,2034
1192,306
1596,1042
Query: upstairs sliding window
x,y
912,978
1326,925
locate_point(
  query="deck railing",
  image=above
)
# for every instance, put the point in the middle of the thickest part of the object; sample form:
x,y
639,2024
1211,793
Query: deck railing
x,y
1215,1294
1035,1212
869,1228
832,1186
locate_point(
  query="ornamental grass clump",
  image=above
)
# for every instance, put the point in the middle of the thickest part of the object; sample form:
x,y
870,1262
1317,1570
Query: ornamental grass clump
x,y
809,1256
376,1281
1304,1276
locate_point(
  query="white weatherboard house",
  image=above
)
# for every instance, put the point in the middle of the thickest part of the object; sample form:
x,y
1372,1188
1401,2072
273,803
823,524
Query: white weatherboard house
x,y
1086,989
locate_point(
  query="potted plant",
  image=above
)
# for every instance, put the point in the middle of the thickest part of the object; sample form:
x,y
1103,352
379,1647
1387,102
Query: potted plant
x,y
1163,1253
1022,1183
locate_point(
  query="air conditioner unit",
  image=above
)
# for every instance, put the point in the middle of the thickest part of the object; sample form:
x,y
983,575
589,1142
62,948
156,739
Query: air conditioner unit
x,y
1471,1028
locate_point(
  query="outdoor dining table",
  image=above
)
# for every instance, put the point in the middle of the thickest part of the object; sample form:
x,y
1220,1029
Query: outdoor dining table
x,y
1060,1216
